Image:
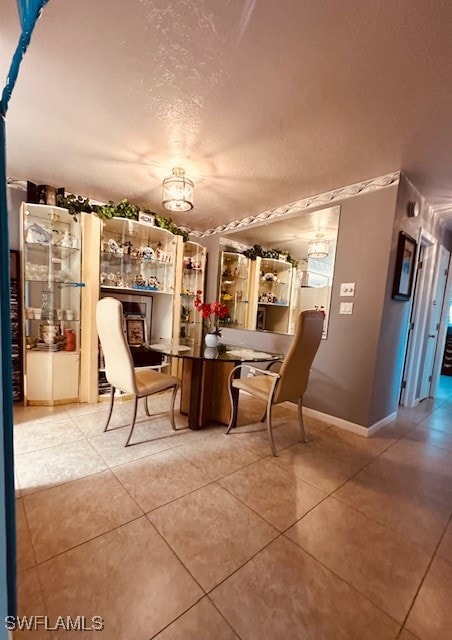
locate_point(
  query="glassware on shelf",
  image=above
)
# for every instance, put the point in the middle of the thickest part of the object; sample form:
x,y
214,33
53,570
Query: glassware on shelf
x,y
234,285
50,243
137,256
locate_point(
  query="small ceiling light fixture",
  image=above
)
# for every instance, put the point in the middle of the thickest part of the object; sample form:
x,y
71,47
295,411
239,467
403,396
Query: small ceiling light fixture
x,y
319,247
178,191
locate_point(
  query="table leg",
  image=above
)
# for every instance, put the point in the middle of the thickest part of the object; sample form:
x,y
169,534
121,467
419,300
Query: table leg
x,y
196,394
204,392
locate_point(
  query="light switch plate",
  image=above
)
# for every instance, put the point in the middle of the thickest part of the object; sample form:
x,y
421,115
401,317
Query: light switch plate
x,y
346,308
347,289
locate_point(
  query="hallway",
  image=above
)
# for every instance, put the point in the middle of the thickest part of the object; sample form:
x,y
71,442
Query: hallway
x,y
203,536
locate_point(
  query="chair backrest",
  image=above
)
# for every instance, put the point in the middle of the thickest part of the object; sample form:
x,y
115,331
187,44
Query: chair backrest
x,y
295,369
119,369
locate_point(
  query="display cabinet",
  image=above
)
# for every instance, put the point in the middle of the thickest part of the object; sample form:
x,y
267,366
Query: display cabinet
x,y
140,259
137,257
193,279
234,288
272,291
51,268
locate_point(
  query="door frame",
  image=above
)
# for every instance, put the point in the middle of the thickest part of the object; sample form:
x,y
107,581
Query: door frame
x,y
419,312
442,332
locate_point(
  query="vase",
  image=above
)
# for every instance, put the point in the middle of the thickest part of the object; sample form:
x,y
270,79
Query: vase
x,y
70,339
210,353
211,340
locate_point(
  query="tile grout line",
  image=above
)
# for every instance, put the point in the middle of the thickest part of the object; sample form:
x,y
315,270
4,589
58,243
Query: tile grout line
x,y
217,481
434,555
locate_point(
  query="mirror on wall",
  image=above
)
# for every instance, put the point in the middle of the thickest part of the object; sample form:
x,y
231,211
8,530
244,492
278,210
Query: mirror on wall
x,y
269,273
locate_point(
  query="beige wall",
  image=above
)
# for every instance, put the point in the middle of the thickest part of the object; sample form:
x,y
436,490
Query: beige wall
x,y
392,342
343,371
342,375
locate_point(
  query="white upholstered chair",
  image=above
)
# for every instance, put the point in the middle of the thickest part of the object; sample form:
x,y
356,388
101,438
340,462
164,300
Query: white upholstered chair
x,y
119,369
287,385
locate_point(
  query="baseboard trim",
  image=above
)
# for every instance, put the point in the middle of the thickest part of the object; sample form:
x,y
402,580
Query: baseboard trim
x,y
382,423
350,426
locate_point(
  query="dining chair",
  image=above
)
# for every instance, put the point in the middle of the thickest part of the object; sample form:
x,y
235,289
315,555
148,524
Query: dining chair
x,y
289,383
119,369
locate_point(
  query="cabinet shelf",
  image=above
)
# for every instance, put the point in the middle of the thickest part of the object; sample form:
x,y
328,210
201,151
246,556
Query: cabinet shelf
x,y
46,349
50,248
110,256
53,321
135,290
273,304
68,283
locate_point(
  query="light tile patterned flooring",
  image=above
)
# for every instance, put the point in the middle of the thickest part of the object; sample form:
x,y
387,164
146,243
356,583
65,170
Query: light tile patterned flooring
x,y
203,536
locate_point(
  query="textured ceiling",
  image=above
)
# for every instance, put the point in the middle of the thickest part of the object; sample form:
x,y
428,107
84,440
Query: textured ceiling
x,y
261,102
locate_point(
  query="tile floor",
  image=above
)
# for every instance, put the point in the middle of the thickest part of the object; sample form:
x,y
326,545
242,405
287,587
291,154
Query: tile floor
x,y
203,536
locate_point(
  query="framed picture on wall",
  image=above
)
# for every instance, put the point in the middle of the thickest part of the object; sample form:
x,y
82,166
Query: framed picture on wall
x,y
405,267
135,331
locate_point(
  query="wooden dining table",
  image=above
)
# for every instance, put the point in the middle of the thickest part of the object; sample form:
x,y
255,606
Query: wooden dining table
x,y
204,373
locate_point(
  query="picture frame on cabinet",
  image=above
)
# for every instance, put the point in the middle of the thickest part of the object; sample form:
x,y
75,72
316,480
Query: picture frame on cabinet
x,y
405,267
135,331
261,318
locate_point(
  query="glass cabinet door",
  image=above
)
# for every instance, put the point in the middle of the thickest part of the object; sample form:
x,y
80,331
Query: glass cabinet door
x,y
234,288
136,256
193,277
272,293
51,270
51,274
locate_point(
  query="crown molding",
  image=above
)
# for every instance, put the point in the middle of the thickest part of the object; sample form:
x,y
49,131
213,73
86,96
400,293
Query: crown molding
x,y
328,197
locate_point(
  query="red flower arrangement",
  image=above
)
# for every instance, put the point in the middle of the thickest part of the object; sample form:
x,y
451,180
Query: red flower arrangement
x,y
211,313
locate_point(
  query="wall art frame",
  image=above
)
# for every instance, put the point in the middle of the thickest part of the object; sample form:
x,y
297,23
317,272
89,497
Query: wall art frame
x,y
405,267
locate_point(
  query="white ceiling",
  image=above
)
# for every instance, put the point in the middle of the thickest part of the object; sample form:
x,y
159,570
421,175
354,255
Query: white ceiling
x,y
262,102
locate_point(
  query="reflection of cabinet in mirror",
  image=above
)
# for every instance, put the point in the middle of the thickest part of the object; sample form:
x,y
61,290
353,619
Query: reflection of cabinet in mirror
x,y
193,274
297,235
51,243
315,291
271,286
235,288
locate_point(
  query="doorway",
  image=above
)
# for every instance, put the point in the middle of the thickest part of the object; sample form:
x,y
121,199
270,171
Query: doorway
x,y
427,323
431,343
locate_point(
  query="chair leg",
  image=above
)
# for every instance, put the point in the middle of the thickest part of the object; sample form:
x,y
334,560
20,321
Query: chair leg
x,y
110,408
234,398
173,401
269,427
134,417
304,435
146,407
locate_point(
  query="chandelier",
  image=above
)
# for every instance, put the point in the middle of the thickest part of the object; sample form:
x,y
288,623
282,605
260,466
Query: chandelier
x,y
178,191
319,247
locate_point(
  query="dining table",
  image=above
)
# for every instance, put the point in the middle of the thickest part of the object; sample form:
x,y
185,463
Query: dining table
x,y
204,372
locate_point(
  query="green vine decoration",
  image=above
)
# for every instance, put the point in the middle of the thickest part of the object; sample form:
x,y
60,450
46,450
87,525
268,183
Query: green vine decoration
x,y
168,224
256,251
74,204
124,209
